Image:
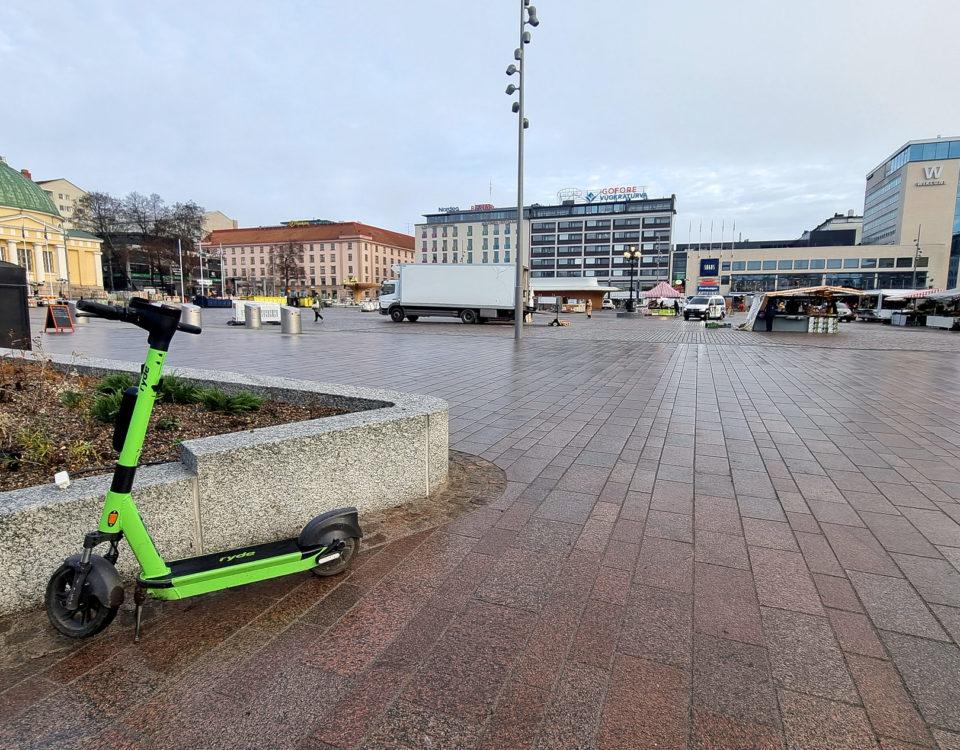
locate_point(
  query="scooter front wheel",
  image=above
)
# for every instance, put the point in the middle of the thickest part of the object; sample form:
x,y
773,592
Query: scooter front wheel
x,y
335,567
90,616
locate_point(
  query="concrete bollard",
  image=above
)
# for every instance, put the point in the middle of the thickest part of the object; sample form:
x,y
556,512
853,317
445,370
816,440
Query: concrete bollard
x,y
251,316
190,314
290,320
79,318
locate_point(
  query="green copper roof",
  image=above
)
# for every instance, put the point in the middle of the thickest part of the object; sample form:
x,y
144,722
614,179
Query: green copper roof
x,y
17,191
81,235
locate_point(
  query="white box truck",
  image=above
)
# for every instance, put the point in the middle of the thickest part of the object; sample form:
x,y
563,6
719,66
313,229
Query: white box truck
x,y
475,293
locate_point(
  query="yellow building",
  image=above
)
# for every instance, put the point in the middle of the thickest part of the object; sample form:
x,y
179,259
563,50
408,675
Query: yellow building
x,y
32,234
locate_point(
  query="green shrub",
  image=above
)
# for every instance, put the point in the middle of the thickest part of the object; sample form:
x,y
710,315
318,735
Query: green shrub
x,y
107,407
35,444
168,423
174,390
81,453
213,399
116,383
73,399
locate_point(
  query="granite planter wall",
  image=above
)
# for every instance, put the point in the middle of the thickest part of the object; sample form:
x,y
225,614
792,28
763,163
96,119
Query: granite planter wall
x,y
239,488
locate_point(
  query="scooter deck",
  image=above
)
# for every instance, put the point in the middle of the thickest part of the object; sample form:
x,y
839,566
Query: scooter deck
x,y
216,561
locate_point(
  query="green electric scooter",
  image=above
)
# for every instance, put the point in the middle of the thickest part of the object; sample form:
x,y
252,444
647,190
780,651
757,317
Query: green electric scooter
x,y
84,593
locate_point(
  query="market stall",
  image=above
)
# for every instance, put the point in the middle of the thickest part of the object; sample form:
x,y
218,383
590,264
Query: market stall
x,y
942,309
805,310
660,300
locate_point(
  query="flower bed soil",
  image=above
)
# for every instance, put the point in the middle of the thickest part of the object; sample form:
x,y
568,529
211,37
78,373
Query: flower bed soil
x,y
40,436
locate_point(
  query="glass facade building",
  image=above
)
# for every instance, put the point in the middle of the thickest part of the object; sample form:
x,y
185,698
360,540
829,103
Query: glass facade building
x,y
565,240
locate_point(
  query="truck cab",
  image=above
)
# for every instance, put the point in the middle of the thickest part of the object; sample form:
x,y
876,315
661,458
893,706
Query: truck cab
x,y
389,293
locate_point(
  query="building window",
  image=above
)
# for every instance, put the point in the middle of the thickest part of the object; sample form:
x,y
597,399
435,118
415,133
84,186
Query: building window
x,y
753,265
851,262
769,265
834,263
47,261
470,230
496,256
904,262
818,263
739,265
485,257
506,256
868,263
801,265
785,265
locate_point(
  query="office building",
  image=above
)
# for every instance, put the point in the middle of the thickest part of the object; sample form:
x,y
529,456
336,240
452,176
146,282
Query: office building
x,y
578,237
913,197
908,236
338,260
217,220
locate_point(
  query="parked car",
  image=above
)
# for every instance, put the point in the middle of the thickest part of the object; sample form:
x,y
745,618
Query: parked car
x,y
705,308
607,304
844,313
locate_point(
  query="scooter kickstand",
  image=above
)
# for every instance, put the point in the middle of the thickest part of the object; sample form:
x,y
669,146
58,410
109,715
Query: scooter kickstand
x,y
138,596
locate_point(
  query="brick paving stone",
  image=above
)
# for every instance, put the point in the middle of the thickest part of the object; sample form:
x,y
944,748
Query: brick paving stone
x,y
665,564
718,514
897,534
805,657
837,593
935,580
725,604
783,581
715,732
893,605
950,619
818,554
716,548
516,719
572,718
855,633
733,679
946,740
888,705
658,626
857,549
818,724
647,705
773,534
931,671
935,525
676,526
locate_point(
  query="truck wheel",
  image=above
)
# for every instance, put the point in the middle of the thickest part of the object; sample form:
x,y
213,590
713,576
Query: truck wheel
x,y
413,318
396,314
468,316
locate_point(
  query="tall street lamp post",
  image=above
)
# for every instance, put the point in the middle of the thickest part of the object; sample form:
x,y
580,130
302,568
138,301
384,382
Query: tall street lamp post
x,y
632,256
528,17
916,259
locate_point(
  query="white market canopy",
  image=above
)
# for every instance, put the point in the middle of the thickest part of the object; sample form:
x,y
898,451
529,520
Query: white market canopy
x,y
941,294
571,285
662,291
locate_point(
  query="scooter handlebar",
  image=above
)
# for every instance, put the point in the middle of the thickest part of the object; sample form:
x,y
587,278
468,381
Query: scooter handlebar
x,y
187,328
110,312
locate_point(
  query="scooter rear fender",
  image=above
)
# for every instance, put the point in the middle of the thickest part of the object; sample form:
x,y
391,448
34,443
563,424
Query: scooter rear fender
x,y
334,525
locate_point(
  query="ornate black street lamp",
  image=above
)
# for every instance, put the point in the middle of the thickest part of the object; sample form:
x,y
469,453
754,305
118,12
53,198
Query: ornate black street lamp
x,y
632,256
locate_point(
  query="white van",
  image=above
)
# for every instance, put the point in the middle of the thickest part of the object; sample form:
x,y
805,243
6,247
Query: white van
x,y
705,307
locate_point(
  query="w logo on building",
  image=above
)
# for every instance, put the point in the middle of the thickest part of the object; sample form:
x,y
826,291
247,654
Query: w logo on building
x,y
934,172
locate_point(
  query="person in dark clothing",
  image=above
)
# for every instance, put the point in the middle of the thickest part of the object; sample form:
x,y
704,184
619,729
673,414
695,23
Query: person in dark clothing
x,y
676,307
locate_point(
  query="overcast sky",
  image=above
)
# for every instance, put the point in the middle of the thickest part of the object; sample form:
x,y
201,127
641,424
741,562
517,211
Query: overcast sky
x,y
766,114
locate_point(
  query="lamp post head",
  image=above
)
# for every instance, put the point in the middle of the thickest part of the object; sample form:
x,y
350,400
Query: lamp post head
x,y
511,69
512,89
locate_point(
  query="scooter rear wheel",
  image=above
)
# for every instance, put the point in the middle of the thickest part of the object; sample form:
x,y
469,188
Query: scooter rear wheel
x,y
90,616
335,567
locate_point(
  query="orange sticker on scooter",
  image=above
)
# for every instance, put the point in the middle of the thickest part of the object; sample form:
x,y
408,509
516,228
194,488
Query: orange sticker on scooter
x,y
112,517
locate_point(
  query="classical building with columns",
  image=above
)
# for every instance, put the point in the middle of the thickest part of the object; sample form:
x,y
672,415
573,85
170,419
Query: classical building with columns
x,y
58,260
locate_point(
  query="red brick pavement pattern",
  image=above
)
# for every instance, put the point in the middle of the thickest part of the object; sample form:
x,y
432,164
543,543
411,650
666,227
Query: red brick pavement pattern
x,y
700,543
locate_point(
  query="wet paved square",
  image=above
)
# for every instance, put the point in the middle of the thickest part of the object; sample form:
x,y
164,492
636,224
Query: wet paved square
x,y
708,539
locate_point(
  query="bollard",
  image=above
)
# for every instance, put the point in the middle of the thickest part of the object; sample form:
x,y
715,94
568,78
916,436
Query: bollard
x,y
290,320
190,314
79,318
251,316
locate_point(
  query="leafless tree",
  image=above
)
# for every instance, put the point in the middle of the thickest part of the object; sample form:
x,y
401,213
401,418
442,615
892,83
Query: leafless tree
x,y
286,262
100,214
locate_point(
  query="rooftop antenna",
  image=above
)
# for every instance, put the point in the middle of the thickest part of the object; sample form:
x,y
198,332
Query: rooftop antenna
x,y
491,191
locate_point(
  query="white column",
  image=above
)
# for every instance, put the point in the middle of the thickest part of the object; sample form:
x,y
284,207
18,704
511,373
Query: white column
x,y
63,267
38,262
98,268
12,256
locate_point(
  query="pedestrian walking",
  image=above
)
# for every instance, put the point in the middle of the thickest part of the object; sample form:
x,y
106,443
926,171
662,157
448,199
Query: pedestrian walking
x,y
589,308
316,309
676,307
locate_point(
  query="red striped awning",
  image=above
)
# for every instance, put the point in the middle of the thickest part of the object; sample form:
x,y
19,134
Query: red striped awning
x,y
917,293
